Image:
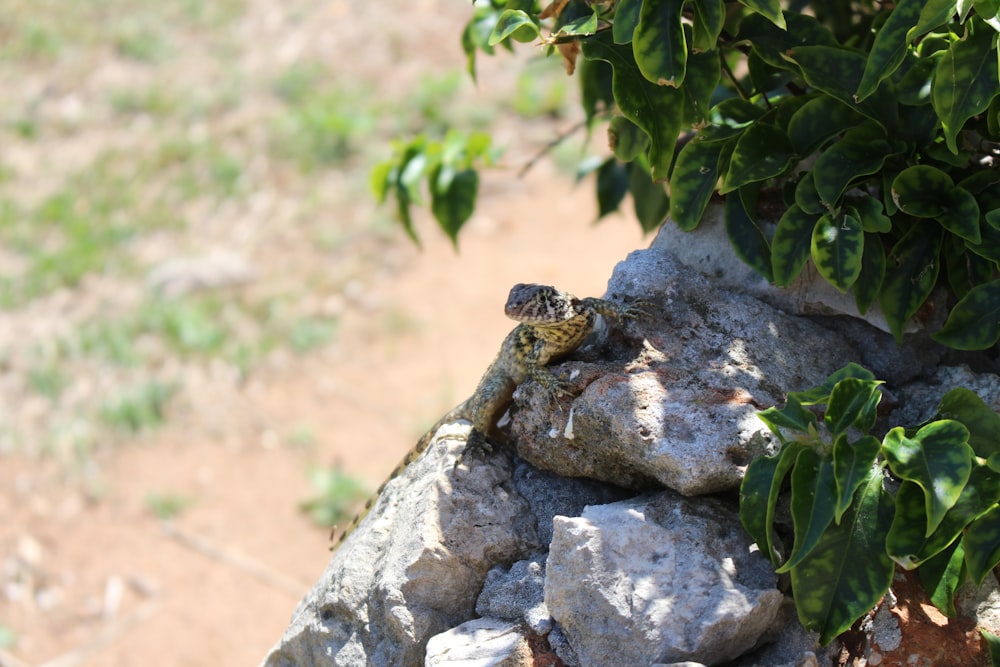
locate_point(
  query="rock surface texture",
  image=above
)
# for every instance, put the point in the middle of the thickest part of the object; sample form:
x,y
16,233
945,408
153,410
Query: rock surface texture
x,y
591,542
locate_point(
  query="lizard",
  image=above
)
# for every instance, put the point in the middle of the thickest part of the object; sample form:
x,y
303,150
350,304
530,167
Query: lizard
x,y
551,324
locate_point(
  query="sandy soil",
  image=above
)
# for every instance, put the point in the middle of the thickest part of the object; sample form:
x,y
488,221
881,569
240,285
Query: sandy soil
x,y
91,577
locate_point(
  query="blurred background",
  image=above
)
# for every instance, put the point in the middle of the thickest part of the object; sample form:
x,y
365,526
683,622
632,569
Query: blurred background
x,y
212,340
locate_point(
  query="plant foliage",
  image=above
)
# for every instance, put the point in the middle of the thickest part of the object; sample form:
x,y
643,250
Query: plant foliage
x,y
875,124
849,529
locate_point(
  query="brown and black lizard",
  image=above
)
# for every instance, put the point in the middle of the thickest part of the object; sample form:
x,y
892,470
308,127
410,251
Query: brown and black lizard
x,y
552,323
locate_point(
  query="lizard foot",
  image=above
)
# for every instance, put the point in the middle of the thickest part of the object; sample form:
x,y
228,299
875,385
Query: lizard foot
x,y
476,444
640,309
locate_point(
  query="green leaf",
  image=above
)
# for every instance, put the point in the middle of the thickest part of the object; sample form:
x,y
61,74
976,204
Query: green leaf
x,y
380,179
453,198
922,191
965,81
819,120
769,9
612,186
869,282
934,14
585,24
851,404
908,543
848,571
626,139
911,273
837,246
754,492
914,87
871,214
852,463
938,458
793,416
961,215
759,496
709,17
476,36
982,545
595,87
814,493
889,48
790,244
747,239
693,181
965,406
762,151
703,75
822,393
993,642
626,19
771,42
656,109
659,44
941,577
807,198
516,24
974,322
837,72
650,200
844,161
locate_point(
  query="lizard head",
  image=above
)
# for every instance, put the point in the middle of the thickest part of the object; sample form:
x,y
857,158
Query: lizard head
x,y
539,304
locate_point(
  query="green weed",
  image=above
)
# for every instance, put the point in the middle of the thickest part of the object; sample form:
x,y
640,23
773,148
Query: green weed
x,y
309,333
337,494
141,409
167,505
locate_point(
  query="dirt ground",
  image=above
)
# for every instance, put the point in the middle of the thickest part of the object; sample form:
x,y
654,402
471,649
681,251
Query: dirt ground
x,y
92,577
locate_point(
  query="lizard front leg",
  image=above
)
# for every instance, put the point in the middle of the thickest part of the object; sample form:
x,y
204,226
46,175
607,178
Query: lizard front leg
x,y
487,406
623,312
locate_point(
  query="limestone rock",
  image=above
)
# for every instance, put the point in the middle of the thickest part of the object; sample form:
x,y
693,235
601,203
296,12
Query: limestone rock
x,y
415,566
658,579
680,409
483,642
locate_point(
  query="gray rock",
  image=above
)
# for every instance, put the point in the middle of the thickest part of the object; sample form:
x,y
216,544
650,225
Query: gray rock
x,y
787,644
679,409
516,594
414,567
483,642
658,579
707,249
550,495
918,400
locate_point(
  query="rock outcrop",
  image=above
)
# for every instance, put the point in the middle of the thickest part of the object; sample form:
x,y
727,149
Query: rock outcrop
x,y
592,542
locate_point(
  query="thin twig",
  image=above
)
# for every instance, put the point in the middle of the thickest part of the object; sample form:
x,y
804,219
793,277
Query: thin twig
x,y
236,559
549,147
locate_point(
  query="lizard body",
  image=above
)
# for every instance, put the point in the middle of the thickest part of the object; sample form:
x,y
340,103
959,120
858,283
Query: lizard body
x,y
552,323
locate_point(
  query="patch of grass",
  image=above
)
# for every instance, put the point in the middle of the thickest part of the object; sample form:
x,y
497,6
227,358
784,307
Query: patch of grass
x,y
140,409
309,333
142,41
188,325
154,100
48,379
337,495
8,638
167,505
79,229
323,130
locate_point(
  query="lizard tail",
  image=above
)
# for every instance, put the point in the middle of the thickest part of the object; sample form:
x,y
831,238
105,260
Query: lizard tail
x,y
458,412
